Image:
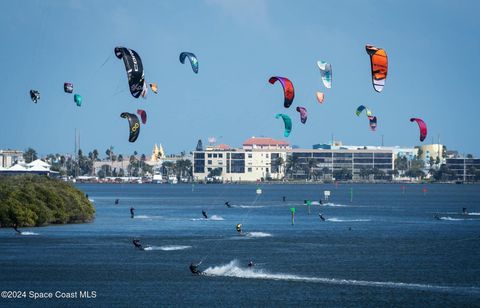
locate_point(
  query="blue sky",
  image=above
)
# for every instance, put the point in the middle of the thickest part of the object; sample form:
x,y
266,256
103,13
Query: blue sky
x,y
433,49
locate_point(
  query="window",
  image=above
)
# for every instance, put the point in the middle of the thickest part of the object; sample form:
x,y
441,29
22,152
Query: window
x,y
249,155
266,155
215,155
209,155
249,169
209,162
220,155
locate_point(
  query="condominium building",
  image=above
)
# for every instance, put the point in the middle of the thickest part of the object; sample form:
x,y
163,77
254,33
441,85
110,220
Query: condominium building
x,y
463,168
266,158
9,158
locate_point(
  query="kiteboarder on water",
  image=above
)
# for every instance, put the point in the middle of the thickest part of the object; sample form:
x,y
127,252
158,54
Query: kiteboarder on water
x,y
228,204
321,216
15,227
205,214
132,212
194,268
116,201
137,244
251,264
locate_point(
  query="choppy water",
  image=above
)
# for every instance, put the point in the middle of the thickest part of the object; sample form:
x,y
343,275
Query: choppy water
x,y
384,248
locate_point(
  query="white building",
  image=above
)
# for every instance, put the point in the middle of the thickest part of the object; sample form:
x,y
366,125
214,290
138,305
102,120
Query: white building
x,y
256,160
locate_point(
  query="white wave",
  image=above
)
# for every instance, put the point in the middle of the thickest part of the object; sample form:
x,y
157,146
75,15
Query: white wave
x,y
215,217
257,234
166,248
248,206
233,269
450,218
333,219
91,200
474,214
333,204
146,217
28,233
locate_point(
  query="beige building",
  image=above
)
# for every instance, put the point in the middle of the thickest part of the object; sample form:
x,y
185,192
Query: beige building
x,y
433,151
9,158
257,159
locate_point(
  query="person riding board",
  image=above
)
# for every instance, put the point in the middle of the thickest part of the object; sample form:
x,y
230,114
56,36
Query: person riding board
x,y
15,227
205,214
321,216
116,201
132,212
251,264
194,269
228,204
137,244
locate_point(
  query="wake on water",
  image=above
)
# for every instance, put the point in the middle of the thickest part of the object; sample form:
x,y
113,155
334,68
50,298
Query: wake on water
x,y
146,217
167,247
257,234
247,206
333,219
233,269
28,233
213,217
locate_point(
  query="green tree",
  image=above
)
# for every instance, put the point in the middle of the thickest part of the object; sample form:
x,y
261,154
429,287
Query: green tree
x,y
30,155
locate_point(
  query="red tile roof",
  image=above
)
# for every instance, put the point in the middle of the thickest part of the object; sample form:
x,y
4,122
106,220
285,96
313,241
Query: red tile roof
x,y
223,146
263,141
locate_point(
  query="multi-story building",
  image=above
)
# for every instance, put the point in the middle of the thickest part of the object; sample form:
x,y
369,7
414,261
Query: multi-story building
x,y
266,158
9,158
259,158
354,161
463,168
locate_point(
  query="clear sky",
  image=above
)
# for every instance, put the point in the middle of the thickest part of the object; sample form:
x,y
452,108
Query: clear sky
x,y
433,49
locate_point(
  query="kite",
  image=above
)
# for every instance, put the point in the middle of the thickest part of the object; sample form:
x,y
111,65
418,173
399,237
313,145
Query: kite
x,y
77,98
422,126
154,88
134,69
134,125
193,60
361,108
320,97
326,73
287,122
68,87
288,91
379,66
303,114
143,115
34,95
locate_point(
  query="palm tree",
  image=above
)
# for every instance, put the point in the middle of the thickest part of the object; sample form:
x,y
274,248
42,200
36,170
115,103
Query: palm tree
x,y
292,165
312,163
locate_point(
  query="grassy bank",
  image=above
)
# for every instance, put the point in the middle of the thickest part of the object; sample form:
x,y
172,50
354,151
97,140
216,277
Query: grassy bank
x,y
35,200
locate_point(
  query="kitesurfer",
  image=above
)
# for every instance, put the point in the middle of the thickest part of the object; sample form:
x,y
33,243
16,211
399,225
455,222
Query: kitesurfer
x,y
194,269
116,201
132,212
320,202
284,198
251,264
464,211
239,228
205,214
228,204
15,227
321,216
436,216
137,244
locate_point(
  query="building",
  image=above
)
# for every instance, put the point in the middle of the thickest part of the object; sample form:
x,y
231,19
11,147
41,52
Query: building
x,y
463,169
266,158
9,158
331,163
258,159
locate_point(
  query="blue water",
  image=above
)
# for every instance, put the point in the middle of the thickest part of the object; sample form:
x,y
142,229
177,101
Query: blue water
x,y
382,249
